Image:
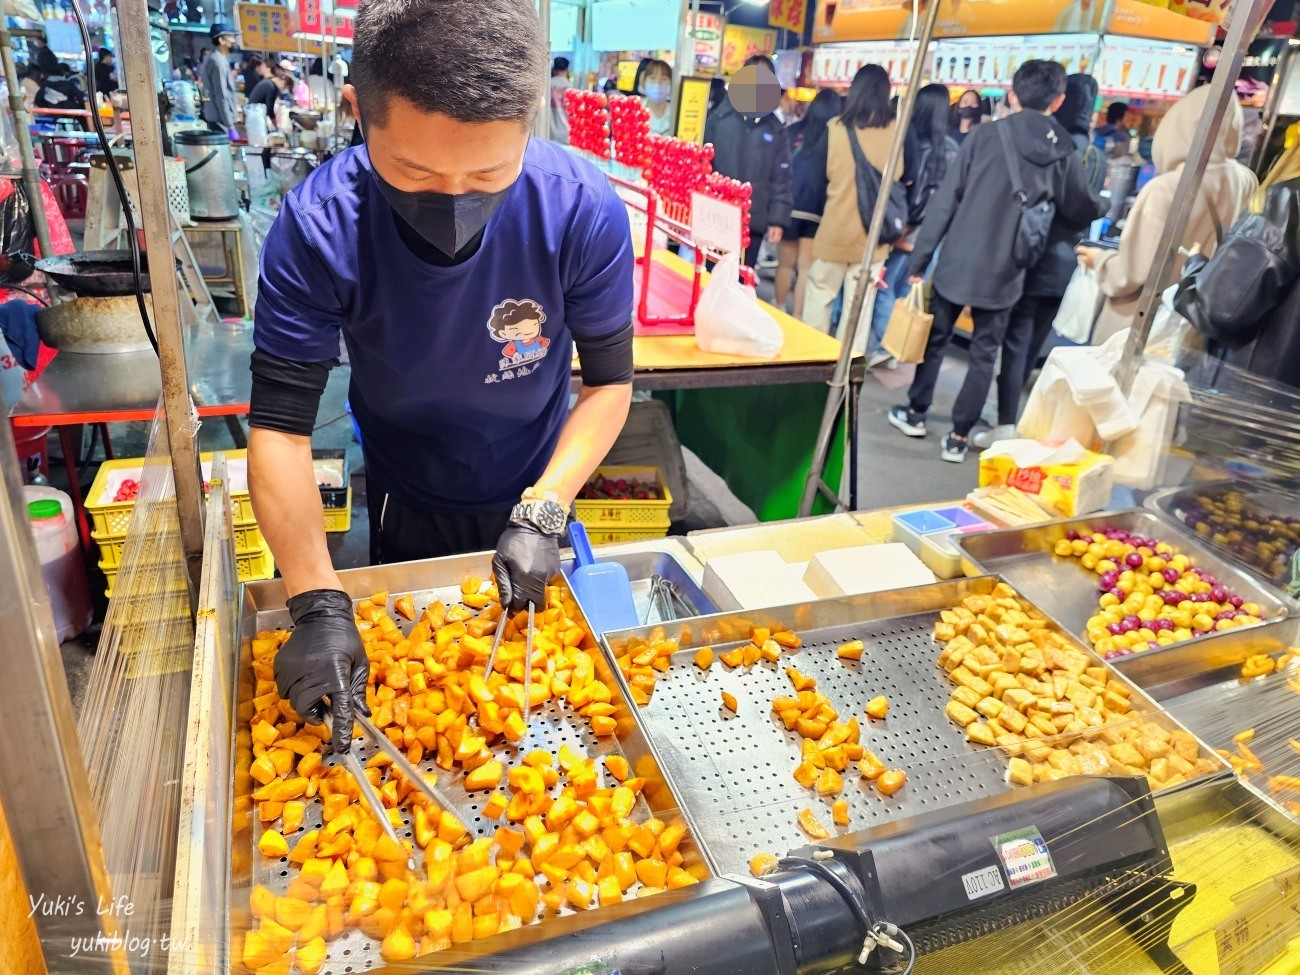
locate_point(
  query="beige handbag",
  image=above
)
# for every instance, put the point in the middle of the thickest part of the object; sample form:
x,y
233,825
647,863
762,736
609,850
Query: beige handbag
x,y
909,327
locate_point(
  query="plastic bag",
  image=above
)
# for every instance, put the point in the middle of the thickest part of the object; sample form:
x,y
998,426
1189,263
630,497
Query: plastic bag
x,y
1169,330
1079,307
17,234
729,319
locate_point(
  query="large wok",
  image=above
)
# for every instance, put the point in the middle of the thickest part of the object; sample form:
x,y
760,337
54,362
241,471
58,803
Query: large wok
x,y
95,274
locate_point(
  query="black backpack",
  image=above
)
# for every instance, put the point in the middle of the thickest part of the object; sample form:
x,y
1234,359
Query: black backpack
x,y
869,180
1035,221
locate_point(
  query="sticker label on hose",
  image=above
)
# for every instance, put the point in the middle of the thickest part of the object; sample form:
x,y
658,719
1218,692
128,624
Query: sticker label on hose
x,y
981,883
1025,856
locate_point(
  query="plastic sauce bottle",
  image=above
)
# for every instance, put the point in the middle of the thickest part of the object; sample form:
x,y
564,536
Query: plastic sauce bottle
x,y
61,566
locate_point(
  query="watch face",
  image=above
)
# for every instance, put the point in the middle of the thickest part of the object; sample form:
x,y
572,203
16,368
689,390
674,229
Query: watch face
x,y
549,517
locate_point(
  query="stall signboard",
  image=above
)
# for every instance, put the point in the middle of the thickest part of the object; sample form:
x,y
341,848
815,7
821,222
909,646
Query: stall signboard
x,y
836,64
1137,19
715,223
1149,69
863,20
314,22
788,14
264,27
708,42
873,20
692,107
741,43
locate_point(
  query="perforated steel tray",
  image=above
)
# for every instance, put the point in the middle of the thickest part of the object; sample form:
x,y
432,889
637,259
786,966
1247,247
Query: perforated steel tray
x,y
1067,592
551,726
733,774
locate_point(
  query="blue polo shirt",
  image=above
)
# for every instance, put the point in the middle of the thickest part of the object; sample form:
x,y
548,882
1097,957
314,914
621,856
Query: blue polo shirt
x,y
460,375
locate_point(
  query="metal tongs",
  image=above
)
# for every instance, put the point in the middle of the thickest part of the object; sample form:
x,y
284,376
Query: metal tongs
x,y
666,600
403,765
528,657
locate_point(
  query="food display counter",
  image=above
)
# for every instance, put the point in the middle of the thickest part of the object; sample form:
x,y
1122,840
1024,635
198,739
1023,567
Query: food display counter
x,y
731,751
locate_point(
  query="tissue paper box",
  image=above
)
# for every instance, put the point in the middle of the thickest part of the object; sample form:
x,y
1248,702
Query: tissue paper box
x,y
1066,488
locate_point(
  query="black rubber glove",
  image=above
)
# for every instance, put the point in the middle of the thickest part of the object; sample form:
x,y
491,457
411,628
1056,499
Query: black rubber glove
x,y
324,657
526,560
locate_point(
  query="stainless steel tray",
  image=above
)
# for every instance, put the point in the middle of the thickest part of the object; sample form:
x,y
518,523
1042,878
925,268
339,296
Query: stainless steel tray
x,y
1068,593
263,608
1261,500
1217,711
733,773
641,567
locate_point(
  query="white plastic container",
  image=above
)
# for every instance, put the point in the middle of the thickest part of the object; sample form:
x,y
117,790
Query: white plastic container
x,y
50,515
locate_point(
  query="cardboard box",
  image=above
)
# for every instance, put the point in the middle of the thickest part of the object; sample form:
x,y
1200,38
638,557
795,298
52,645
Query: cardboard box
x,y
1067,481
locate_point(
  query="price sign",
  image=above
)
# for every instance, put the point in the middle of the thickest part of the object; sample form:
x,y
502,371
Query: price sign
x,y
715,224
788,14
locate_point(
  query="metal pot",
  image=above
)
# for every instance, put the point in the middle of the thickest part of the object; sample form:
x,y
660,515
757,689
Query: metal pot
x,y
99,326
209,174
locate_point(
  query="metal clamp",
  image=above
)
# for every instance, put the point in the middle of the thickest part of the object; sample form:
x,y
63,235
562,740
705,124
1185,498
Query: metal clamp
x,y
771,902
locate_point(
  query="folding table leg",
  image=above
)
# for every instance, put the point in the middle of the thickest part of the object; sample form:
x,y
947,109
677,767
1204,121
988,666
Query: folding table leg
x,y
74,485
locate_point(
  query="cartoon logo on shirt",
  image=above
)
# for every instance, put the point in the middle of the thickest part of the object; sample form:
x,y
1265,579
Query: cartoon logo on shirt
x,y
517,323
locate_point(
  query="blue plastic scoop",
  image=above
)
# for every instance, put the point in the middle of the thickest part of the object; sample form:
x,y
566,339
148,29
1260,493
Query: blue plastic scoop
x,y
603,588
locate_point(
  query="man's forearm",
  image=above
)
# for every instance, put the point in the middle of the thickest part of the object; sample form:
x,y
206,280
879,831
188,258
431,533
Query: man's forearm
x,y
590,431
287,503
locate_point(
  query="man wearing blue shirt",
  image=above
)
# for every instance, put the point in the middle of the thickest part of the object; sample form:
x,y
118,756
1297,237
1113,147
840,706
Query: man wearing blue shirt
x,y
461,263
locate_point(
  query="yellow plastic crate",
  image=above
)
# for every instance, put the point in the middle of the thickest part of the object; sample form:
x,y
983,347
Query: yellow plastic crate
x,y
339,519
611,537
628,519
110,518
247,537
253,565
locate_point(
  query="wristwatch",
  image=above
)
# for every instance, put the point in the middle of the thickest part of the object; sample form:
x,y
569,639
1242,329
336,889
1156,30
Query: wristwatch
x,y
548,517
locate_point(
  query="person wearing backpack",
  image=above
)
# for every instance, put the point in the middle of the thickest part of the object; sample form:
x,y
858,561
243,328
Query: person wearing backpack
x,y
855,149
993,214
1045,283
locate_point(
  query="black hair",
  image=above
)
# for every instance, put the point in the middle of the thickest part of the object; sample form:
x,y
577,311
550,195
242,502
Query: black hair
x,y
477,62
930,115
643,69
1116,111
762,59
560,66
1037,84
105,52
717,92
610,87
825,106
868,105
512,312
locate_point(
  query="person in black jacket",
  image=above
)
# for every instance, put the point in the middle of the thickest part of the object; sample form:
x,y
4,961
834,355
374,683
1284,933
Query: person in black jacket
x,y
976,216
1046,281
933,150
808,189
754,151
269,90
1246,298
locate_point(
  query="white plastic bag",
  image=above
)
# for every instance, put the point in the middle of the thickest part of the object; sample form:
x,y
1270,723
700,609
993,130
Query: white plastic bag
x,y
1078,311
1169,330
729,319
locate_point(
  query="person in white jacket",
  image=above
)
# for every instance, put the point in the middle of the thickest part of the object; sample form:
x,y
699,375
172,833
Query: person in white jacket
x,y
1223,192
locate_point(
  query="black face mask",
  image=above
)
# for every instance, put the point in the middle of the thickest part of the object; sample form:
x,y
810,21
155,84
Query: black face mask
x,y
969,111
448,221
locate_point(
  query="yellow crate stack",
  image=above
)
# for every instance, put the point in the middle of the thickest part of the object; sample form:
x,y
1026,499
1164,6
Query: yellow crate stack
x,y
109,521
611,520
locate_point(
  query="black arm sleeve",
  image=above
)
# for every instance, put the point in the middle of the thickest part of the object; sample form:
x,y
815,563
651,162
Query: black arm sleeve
x,y
286,395
606,361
